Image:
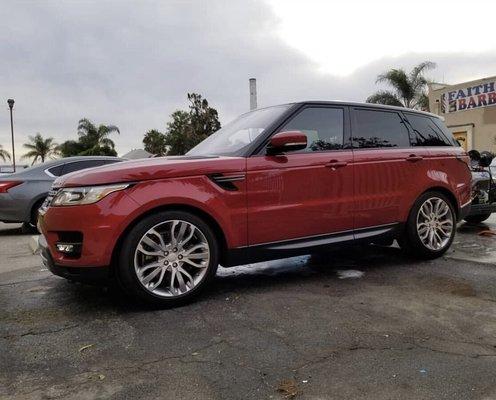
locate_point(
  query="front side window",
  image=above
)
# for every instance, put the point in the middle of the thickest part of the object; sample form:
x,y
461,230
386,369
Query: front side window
x,y
323,127
375,128
426,132
238,134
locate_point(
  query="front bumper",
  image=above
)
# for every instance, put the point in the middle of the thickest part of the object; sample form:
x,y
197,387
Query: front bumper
x,y
95,229
80,274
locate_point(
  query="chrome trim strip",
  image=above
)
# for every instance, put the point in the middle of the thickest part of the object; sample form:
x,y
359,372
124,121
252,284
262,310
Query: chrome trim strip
x,y
354,233
229,179
46,171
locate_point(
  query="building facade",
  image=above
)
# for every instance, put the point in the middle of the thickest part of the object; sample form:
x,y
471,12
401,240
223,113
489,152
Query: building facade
x,y
469,111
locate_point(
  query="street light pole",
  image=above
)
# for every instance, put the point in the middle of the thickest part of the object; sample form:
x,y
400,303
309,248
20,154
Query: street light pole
x,y
11,102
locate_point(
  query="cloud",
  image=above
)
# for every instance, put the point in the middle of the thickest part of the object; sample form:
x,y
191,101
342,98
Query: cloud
x,y
131,64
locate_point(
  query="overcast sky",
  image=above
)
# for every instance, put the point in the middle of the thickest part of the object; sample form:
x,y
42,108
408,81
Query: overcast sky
x,y
131,63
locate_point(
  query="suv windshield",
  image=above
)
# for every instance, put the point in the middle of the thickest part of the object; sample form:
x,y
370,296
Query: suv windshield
x,y
238,133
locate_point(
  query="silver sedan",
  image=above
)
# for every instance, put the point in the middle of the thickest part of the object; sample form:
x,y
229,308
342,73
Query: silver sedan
x,y
22,193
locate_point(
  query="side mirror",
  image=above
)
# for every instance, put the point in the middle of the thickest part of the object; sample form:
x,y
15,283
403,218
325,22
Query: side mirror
x,y
283,142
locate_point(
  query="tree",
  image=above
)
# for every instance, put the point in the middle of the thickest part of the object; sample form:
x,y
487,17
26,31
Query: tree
x,y
409,89
40,148
154,142
4,154
179,137
92,140
188,128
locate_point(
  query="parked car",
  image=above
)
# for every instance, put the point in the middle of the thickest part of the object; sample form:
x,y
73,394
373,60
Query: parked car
x,y
22,193
483,186
276,182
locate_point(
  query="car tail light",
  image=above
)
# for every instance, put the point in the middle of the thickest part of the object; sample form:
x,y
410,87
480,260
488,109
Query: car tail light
x,y
6,185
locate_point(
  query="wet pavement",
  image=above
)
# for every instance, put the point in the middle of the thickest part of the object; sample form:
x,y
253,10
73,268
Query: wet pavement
x,y
365,323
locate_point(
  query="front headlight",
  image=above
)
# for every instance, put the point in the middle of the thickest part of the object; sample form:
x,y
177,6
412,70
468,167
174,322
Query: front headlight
x,y
84,195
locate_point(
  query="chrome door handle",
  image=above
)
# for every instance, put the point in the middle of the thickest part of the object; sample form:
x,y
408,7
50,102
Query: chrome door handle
x,y
334,164
414,158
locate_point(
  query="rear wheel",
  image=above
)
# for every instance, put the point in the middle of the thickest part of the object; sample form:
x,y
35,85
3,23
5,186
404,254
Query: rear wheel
x,y
168,258
430,228
475,219
31,226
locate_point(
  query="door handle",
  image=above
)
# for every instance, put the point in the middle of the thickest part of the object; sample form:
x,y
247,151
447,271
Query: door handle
x,y
334,164
414,158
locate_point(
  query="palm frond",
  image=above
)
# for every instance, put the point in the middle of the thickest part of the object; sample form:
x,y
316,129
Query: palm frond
x,y
4,155
385,97
398,79
29,154
106,142
420,69
422,102
108,129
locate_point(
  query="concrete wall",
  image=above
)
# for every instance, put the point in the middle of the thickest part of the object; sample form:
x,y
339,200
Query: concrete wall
x,y
478,123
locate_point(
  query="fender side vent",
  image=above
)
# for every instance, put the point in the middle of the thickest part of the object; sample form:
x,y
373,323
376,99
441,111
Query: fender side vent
x,y
226,182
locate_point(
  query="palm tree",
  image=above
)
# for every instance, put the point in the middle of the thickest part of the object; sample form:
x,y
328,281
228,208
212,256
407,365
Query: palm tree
x,y
95,140
408,88
40,148
4,154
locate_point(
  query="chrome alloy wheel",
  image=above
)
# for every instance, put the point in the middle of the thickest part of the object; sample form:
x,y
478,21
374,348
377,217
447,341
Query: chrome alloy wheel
x,y
172,258
435,223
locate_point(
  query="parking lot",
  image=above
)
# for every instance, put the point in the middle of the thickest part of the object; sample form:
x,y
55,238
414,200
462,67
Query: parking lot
x,y
362,324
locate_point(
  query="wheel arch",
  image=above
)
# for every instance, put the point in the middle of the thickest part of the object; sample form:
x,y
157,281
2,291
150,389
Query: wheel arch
x,y
209,219
36,202
448,193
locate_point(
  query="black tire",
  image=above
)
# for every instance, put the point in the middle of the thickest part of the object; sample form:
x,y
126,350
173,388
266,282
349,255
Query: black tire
x,y
31,226
127,275
28,229
410,241
476,219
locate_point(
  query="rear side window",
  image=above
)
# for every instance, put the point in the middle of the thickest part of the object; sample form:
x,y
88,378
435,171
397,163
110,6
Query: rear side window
x,y
445,131
323,127
426,132
79,165
57,170
374,128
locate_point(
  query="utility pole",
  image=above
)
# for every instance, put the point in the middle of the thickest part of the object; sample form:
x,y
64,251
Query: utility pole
x,y
253,94
11,102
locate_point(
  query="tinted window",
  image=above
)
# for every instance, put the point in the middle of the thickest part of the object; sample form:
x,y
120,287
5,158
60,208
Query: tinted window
x,y
445,131
379,129
111,161
426,132
78,165
322,126
57,170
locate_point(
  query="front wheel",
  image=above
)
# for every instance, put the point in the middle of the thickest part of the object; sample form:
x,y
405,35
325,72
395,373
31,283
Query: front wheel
x,y
430,228
475,219
168,258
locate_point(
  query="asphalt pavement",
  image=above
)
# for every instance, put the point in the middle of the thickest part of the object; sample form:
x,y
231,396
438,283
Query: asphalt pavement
x,y
362,324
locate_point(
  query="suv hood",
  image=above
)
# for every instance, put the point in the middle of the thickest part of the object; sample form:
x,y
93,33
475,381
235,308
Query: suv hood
x,y
152,169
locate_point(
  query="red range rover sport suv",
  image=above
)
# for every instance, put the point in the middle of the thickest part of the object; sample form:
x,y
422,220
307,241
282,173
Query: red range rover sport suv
x,y
276,182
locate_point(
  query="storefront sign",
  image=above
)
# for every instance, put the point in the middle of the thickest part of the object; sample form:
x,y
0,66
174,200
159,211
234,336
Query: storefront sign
x,y
478,96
